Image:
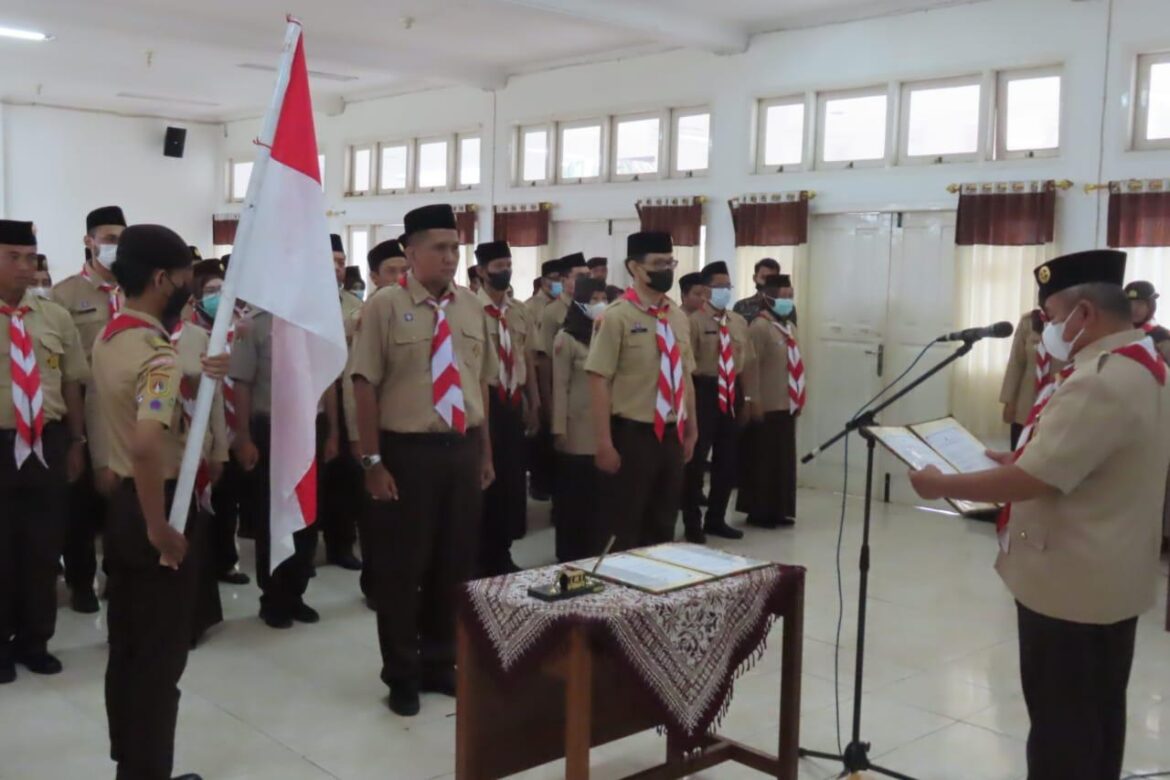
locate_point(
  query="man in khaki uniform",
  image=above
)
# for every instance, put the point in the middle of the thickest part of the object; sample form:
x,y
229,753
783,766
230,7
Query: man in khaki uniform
x,y
646,433
1079,542
598,269
1143,306
540,451
42,442
152,585
552,316
387,263
91,297
422,362
1022,377
719,412
694,293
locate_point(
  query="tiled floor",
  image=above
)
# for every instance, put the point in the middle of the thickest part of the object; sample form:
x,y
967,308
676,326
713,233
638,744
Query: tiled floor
x,y
942,697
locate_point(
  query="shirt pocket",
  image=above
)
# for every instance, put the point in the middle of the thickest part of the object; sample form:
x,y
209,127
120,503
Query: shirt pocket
x,y
470,348
50,351
411,346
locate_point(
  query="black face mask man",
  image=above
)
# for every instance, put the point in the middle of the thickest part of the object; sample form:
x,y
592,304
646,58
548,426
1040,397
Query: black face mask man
x,y
651,261
154,272
494,262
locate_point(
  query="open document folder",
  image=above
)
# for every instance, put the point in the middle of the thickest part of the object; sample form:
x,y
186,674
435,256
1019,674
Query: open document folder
x,y
668,567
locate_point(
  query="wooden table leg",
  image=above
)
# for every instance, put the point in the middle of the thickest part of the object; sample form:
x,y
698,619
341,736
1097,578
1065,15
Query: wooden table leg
x,y
790,670
578,706
466,737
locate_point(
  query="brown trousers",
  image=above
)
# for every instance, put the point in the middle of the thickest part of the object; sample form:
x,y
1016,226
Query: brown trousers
x,y
639,504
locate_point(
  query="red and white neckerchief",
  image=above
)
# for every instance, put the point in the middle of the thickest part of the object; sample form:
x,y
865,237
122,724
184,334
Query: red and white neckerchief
x,y
1043,361
113,296
726,367
187,394
796,390
671,387
27,398
509,387
1141,351
229,384
446,387
1149,326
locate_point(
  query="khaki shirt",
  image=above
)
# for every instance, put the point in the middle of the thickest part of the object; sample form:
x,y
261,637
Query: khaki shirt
x,y
771,348
351,309
625,351
534,307
1089,554
136,373
392,351
520,329
191,347
572,417
705,342
87,305
60,358
1019,381
251,361
552,317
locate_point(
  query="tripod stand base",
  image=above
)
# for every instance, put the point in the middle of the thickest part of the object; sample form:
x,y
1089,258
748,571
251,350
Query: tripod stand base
x,y
855,759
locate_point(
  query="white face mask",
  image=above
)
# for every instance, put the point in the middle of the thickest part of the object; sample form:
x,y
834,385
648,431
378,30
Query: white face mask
x,y
40,292
720,298
593,310
107,253
1053,338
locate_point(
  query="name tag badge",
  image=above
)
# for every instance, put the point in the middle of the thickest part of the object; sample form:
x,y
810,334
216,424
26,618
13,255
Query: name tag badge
x,y
711,332
85,307
408,317
638,328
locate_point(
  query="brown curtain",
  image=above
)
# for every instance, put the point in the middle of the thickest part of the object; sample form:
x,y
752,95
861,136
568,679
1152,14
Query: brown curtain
x,y
223,229
465,222
771,224
1139,219
522,228
1007,215
683,221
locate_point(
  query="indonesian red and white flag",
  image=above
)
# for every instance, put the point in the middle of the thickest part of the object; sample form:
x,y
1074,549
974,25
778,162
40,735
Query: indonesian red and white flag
x,y
286,268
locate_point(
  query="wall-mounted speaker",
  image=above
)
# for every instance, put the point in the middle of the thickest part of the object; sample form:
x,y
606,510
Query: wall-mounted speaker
x,y
176,141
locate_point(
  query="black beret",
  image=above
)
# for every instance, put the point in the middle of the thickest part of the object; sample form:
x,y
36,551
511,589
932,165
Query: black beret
x,y
549,267
335,241
154,246
1096,266
196,255
212,269
597,262
16,233
687,281
437,217
715,269
384,251
649,242
1141,291
575,260
586,288
492,250
106,215
225,260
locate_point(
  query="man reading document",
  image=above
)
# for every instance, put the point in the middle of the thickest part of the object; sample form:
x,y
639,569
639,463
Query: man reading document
x,y
1079,534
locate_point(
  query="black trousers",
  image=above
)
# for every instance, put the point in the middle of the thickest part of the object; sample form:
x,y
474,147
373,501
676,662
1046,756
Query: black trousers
x,y
1016,431
86,512
225,503
342,484
283,590
150,619
1075,677
541,454
772,468
505,502
424,546
578,532
32,526
640,503
719,438
208,609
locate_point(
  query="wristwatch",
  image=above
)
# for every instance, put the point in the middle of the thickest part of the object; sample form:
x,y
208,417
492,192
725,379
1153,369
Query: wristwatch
x,y
369,461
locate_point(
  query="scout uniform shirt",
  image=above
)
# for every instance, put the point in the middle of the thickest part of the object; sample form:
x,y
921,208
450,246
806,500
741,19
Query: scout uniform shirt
x,y
192,345
60,358
351,309
1089,554
347,399
771,349
572,416
392,351
520,330
251,361
1019,381
625,351
136,373
705,345
534,307
552,317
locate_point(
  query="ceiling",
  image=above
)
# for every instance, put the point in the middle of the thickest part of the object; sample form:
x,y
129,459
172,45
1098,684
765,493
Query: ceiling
x,y
180,59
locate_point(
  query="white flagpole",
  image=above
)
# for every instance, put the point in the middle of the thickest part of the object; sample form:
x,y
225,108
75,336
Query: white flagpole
x,y
193,452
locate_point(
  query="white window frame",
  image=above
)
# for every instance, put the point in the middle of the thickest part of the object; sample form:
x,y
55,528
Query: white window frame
x,y
351,169
664,145
904,156
1141,112
418,144
762,131
550,156
457,171
371,237
823,99
409,146
1002,79
230,177
676,115
560,127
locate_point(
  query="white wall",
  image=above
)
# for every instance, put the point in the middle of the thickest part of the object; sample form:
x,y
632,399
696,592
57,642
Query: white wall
x,y
60,164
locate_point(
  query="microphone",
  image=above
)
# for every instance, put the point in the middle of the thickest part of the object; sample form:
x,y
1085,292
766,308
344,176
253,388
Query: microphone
x,y
1000,330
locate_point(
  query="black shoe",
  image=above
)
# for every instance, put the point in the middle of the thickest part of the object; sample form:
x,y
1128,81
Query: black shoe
x,y
347,561
274,619
189,776
695,535
84,601
404,699
723,530
43,662
439,682
756,522
234,577
370,603
785,522
303,613
7,672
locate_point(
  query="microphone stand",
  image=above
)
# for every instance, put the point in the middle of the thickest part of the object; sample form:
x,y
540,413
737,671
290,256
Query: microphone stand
x,y
855,757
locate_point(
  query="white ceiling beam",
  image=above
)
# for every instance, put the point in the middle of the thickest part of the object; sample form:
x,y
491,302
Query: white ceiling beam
x,y
670,27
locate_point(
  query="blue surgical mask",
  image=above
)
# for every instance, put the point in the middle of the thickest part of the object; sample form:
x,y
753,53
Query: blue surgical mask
x,y
720,298
210,304
555,289
782,307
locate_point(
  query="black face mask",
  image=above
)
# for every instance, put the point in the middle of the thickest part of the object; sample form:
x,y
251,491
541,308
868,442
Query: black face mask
x,y
660,281
499,280
175,302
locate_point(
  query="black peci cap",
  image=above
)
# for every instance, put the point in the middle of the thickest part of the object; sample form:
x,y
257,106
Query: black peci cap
x,y
687,281
335,241
714,269
1096,266
1141,291
597,262
776,282
585,289
549,267
437,217
649,242
106,215
16,233
492,250
384,251
575,260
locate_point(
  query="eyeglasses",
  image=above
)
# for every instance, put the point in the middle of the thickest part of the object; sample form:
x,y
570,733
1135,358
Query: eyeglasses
x,y
663,265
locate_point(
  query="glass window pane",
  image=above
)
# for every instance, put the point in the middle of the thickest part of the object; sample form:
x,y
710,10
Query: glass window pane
x,y
944,120
1033,113
359,243
393,176
469,162
432,164
581,152
694,142
784,135
1158,126
241,173
855,128
361,170
535,166
637,146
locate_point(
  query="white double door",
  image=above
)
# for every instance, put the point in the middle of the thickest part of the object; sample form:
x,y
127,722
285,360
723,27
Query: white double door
x,y
596,238
880,288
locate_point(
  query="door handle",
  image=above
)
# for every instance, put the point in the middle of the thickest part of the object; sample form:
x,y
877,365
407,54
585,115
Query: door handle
x,y
881,357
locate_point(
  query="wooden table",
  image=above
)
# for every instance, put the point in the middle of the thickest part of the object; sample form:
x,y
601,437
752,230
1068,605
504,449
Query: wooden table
x,y
580,698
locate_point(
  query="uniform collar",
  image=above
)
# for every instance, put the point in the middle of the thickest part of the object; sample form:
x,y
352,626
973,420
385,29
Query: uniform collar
x,y
420,294
486,299
1108,344
28,301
